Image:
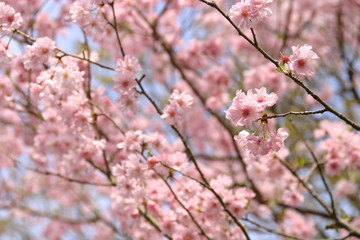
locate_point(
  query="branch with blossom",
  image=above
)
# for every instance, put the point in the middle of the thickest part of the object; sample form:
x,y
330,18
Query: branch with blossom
x,y
171,126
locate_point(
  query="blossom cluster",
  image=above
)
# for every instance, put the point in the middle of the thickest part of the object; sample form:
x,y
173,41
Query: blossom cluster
x,y
179,102
246,12
128,68
301,61
341,147
9,19
140,189
249,107
260,145
39,53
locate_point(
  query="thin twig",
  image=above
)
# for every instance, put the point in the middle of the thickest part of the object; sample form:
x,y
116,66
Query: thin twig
x,y
316,160
265,117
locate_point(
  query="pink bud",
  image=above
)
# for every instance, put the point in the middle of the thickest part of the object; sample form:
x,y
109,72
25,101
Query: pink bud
x,y
152,161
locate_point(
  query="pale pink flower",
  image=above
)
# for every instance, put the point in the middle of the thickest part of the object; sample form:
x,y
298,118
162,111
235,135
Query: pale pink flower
x,y
243,113
217,80
44,46
80,12
152,161
9,19
177,160
5,56
241,137
263,99
267,76
128,102
132,141
238,207
296,224
134,167
239,200
179,102
241,14
245,12
341,146
6,87
217,102
292,198
260,145
168,225
334,166
171,114
277,142
257,145
301,60
39,53
246,108
257,170
46,25
129,64
345,188
124,83
182,99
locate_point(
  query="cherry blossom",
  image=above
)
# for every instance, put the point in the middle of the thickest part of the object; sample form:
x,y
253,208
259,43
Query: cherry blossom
x,y
179,102
301,60
245,12
162,119
129,64
9,19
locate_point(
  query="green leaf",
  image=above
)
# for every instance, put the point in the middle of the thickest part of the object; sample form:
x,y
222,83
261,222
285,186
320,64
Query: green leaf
x,y
302,161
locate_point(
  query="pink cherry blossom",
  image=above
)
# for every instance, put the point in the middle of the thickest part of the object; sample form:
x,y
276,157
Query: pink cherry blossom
x,y
301,60
276,142
81,136
245,12
263,99
179,102
344,188
298,225
260,145
172,114
124,83
9,19
152,161
5,55
39,53
182,99
129,64
246,108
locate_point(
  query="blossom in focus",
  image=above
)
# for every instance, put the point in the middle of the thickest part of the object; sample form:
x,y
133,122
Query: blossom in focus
x,y
301,60
245,12
260,145
246,108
